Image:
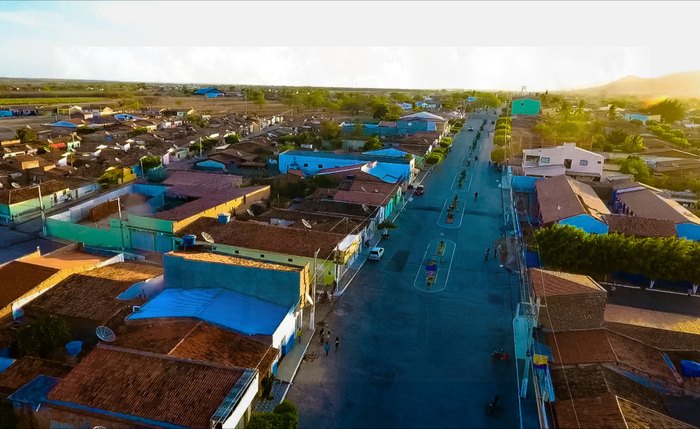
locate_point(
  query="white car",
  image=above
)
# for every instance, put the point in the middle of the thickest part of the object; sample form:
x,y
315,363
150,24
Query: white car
x,y
376,253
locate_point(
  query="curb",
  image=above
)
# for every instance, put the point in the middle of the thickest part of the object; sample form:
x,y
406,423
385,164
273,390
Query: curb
x,y
294,374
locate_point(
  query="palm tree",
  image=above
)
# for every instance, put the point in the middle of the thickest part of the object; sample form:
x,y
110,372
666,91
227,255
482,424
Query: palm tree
x,y
579,108
612,112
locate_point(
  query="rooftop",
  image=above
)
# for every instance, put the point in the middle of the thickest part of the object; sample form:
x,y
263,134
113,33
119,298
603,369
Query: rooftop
x,y
350,156
553,283
206,180
92,295
26,368
207,198
197,340
18,278
234,260
221,307
652,319
159,388
561,197
14,196
68,259
581,347
251,235
639,226
645,203
424,116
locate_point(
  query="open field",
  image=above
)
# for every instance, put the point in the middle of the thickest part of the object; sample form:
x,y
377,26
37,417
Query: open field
x,y
48,100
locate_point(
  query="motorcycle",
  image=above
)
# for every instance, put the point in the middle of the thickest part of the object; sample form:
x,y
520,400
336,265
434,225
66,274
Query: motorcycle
x,y
500,355
491,406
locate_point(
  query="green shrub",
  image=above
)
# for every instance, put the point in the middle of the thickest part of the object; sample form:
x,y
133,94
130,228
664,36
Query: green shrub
x,y
434,158
43,335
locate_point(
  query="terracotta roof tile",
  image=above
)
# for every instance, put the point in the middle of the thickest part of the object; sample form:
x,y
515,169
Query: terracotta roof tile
x,y
561,197
26,368
652,319
600,412
639,226
149,386
251,235
638,416
92,295
552,283
581,347
18,278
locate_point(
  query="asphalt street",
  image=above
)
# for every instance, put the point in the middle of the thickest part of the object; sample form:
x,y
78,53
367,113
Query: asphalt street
x,y
419,356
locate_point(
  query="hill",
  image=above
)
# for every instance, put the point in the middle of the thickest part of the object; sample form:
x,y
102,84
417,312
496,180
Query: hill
x,y
677,85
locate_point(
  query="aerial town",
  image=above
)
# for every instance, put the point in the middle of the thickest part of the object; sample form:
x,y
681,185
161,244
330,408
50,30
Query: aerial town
x,y
224,256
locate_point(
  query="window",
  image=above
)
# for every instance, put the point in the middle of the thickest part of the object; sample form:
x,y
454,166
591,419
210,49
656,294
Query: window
x,y
583,162
320,165
306,164
236,252
290,260
544,160
262,256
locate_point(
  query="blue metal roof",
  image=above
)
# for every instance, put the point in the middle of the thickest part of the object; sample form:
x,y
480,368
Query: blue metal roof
x,y
387,152
222,307
202,91
5,363
34,392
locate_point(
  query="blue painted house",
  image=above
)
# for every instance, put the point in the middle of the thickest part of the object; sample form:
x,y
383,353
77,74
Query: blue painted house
x,y
390,169
420,122
565,201
210,92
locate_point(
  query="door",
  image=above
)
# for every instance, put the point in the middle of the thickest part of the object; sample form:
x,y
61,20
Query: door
x,y
164,243
567,163
143,241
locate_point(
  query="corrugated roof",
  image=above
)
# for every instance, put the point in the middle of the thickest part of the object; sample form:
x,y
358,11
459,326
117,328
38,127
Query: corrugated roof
x,y
561,197
639,226
154,387
652,319
648,204
553,283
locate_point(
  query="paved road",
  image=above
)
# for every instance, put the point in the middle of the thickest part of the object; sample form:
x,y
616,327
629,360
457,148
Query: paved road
x,y
416,357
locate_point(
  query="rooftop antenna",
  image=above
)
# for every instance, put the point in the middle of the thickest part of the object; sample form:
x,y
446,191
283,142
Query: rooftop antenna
x,y
306,223
105,334
209,239
250,212
15,185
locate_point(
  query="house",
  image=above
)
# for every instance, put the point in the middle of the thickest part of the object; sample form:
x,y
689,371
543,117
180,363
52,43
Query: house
x,y
388,168
20,203
406,106
26,278
26,368
280,244
634,199
640,227
146,217
641,117
210,92
525,106
250,297
97,297
565,159
421,122
120,388
566,201
667,331
567,301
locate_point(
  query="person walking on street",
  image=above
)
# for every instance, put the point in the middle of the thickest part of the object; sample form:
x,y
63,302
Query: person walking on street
x,y
476,196
337,343
321,335
486,255
327,347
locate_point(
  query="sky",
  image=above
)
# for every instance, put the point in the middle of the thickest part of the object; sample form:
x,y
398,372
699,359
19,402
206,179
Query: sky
x,y
475,45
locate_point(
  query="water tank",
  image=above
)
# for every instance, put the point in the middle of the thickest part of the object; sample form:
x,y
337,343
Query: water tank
x,y
189,240
224,218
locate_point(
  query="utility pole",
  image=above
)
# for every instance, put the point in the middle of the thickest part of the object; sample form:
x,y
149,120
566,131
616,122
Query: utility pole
x,y
312,319
41,208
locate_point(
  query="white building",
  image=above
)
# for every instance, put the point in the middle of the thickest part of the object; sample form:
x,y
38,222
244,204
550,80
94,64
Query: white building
x,y
565,159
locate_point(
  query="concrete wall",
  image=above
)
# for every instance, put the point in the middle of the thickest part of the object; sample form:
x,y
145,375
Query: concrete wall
x,y
572,312
558,154
284,288
241,413
285,332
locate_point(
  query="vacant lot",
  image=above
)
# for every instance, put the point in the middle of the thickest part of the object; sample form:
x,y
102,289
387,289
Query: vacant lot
x,y
48,101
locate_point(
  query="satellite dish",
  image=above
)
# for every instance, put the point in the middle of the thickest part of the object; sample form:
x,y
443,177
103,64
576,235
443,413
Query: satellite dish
x,y
1,186
365,208
250,212
363,189
208,238
87,165
15,185
105,334
306,223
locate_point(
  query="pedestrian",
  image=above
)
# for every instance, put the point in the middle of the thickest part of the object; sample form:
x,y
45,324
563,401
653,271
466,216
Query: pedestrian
x,y
327,347
476,196
486,255
337,343
321,335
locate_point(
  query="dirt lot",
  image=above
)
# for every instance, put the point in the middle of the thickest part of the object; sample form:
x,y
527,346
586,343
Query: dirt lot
x,y
217,105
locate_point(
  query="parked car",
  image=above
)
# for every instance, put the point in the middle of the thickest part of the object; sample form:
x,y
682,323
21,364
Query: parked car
x,y
470,129
376,253
420,190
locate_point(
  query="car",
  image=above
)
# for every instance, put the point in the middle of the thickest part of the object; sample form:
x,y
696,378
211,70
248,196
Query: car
x,y
470,129
420,190
376,253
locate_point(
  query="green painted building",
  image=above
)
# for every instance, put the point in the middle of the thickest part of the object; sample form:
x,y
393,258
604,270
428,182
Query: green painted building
x,y
526,106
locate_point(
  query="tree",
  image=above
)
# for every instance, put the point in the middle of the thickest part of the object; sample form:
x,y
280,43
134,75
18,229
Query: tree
x,y
386,226
329,130
380,110
232,139
150,162
498,154
636,166
26,135
670,110
633,144
373,143
284,416
43,335
260,99
616,137
612,112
